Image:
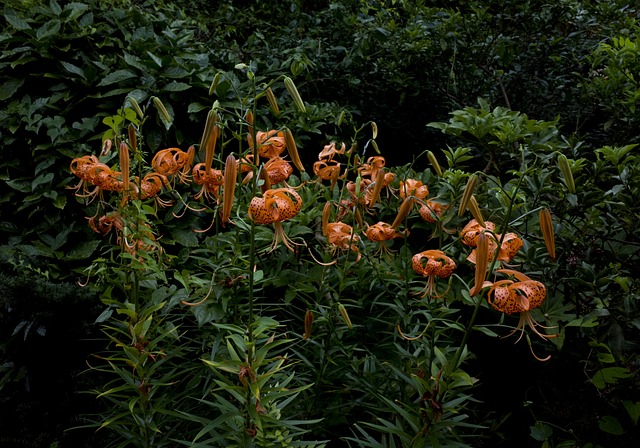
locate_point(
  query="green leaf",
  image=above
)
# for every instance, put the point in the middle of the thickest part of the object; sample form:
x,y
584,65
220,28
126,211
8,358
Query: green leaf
x,y
73,69
611,425
74,10
185,237
55,7
48,29
117,76
16,21
8,88
540,431
633,409
609,375
175,86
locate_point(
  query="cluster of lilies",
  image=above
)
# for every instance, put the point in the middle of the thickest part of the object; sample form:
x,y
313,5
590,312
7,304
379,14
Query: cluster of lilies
x,y
279,202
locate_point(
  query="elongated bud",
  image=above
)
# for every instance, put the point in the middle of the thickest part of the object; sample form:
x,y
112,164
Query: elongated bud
x,y
230,175
124,167
341,117
546,226
374,129
163,110
273,103
326,213
377,188
133,139
266,185
249,119
375,146
308,320
136,107
466,195
475,210
482,261
405,209
209,138
214,83
345,315
434,163
563,163
293,91
186,169
358,217
293,149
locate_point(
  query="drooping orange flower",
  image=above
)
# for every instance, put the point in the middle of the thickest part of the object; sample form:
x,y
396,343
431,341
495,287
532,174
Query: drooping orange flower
x,y
413,187
278,170
431,211
174,161
432,263
511,243
327,170
92,172
341,236
270,144
330,150
473,229
372,167
210,181
382,232
519,296
275,206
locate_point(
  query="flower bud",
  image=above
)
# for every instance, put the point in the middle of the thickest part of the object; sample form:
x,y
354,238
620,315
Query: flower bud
x,y
563,163
546,226
466,195
230,175
273,103
163,110
293,149
434,163
345,315
308,320
293,91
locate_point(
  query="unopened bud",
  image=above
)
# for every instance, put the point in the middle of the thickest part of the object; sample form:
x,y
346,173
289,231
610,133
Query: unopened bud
x,y
563,163
308,320
475,210
482,261
293,149
163,110
293,91
405,209
468,192
273,103
133,140
434,163
546,227
136,107
230,175
345,315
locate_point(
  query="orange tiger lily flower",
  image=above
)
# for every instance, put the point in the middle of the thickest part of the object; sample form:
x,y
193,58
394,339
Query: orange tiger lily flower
x,y
330,150
210,181
431,211
519,296
328,170
432,264
278,170
174,161
413,187
275,206
270,144
372,167
341,236
382,232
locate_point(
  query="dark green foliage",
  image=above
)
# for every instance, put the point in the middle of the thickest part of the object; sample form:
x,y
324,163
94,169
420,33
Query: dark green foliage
x,y
499,90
